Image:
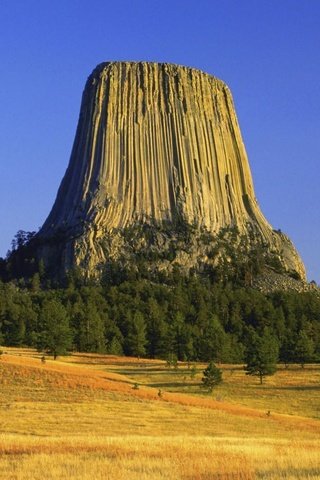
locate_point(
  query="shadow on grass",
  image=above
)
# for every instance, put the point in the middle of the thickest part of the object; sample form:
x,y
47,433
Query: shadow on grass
x,y
142,371
171,384
293,387
160,368
311,473
128,382
135,366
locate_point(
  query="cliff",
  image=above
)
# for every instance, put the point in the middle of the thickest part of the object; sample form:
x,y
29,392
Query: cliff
x,y
156,144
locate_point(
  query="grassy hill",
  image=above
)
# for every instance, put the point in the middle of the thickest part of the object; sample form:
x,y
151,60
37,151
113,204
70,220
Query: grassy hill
x,y
105,417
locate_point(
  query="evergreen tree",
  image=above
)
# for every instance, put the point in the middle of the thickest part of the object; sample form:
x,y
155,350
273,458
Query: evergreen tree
x,y
91,329
262,355
213,344
114,347
181,337
304,349
136,339
56,337
156,330
287,349
212,376
14,322
234,350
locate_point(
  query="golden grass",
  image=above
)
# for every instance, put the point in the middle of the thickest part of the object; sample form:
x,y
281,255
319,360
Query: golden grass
x,y
80,418
139,458
293,391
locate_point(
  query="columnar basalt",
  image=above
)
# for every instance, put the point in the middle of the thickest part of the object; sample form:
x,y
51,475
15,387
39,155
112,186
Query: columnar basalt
x,y
155,143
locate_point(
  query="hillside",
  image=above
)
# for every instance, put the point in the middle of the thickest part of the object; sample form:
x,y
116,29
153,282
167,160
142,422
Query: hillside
x,y
83,414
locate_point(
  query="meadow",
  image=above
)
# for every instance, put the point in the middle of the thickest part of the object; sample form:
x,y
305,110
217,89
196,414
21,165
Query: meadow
x,y
105,417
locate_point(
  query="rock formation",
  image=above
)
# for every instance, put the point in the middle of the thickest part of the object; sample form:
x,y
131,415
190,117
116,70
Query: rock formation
x,y
156,143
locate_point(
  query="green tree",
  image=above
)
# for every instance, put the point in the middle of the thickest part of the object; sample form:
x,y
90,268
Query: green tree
x,y
304,349
91,329
172,360
287,349
114,338
213,344
212,376
181,337
262,355
156,330
56,337
15,323
114,347
136,339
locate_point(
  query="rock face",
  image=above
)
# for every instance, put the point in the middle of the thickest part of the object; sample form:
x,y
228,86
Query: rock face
x,y
155,143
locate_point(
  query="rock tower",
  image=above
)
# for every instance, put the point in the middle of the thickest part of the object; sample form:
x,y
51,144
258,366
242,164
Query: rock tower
x,y
156,144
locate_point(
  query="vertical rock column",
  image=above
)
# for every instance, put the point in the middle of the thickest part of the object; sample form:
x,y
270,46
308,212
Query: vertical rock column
x,y
156,141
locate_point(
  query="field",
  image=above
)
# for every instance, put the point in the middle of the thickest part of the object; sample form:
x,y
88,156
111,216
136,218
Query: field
x,y
103,417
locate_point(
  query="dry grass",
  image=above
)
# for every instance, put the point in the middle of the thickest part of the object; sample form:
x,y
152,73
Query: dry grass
x,y
293,391
139,458
79,417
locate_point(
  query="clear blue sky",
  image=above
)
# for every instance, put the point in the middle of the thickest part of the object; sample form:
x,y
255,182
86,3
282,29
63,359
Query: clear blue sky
x,y
267,51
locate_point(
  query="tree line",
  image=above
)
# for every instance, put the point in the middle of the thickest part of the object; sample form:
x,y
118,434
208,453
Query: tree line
x,y
184,318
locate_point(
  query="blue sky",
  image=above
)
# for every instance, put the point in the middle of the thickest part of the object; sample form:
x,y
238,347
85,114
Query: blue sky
x,y
267,51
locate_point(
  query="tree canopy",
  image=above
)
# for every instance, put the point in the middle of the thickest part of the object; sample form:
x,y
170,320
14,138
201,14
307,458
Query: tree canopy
x,y
187,317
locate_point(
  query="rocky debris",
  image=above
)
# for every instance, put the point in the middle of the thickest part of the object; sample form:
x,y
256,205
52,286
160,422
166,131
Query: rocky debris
x,y
269,282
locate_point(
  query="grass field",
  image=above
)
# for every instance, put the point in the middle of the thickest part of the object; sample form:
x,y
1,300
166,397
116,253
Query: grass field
x,y
79,417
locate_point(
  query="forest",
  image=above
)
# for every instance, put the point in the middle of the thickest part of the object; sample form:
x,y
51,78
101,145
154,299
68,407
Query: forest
x,y
189,318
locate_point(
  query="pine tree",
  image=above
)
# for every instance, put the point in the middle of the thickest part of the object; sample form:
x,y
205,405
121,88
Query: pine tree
x,y
262,355
287,349
156,330
213,343
136,340
91,329
15,323
56,335
212,376
304,348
